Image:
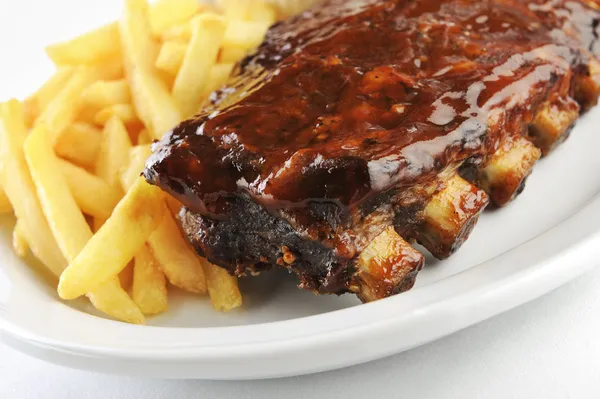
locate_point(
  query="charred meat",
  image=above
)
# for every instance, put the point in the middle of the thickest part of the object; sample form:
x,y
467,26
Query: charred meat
x,y
360,127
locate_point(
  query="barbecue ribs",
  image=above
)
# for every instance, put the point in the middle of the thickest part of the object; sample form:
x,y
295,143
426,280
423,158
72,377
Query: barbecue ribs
x,y
361,126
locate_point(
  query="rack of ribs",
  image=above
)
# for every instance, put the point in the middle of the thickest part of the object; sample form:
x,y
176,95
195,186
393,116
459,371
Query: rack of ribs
x,y
361,127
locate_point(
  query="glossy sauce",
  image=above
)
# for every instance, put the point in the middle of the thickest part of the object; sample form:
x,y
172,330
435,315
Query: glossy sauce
x,y
356,97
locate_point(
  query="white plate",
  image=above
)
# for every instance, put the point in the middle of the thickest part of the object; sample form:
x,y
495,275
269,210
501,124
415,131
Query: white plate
x,y
547,237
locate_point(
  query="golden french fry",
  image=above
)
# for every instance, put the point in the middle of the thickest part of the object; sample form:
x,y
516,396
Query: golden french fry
x,y
245,34
79,143
64,217
262,12
181,32
178,260
171,56
149,289
232,54
112,299
217,79
236,10
92,194
199,59
164,14
107,253
222,287
114,152
124,112
35,104
20,190
137,159
90,48
152,100
112,69
5,206
126,277
19,241
68,224
144,137
62,111
102,94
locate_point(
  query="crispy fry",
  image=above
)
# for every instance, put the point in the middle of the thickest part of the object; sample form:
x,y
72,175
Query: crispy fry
x,y
19,242
35,104
245,34
232,54
217,78
18,185
126,277
90,48
137,159
236,10
181,32
79,143
149,288
92,194
67,223
112,69
144,137
166,13
102,94
62,111
152,100
107,253
171,56
199,59
178,260
222,287
114,152
5,206
111,299
262,12
124,112
64,217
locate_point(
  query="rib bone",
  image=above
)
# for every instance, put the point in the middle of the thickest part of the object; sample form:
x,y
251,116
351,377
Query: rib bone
x,y
387,266
505,173
450,216
552,123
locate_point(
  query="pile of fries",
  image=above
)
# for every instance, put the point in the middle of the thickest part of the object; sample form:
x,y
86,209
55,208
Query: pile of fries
x,y
71,154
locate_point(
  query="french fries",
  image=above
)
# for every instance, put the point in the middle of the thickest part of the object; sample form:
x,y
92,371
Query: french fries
x,y
114,152
63,109
153,102
35,104
88,49
79,143
124,112
5,206
127,82
16,180
167,13
222,287
67,223
107,253
93,195
171,56
103,94
19,241
178,260
149,289
137,158
201,55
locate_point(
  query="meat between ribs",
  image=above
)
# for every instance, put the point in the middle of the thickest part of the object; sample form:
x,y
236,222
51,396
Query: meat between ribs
x,y
361,126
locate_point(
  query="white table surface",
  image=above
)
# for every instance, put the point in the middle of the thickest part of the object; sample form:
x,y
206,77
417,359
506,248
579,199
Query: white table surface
x,y
549,348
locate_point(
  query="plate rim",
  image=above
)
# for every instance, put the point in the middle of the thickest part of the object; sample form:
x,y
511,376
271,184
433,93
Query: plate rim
x,y
450,304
